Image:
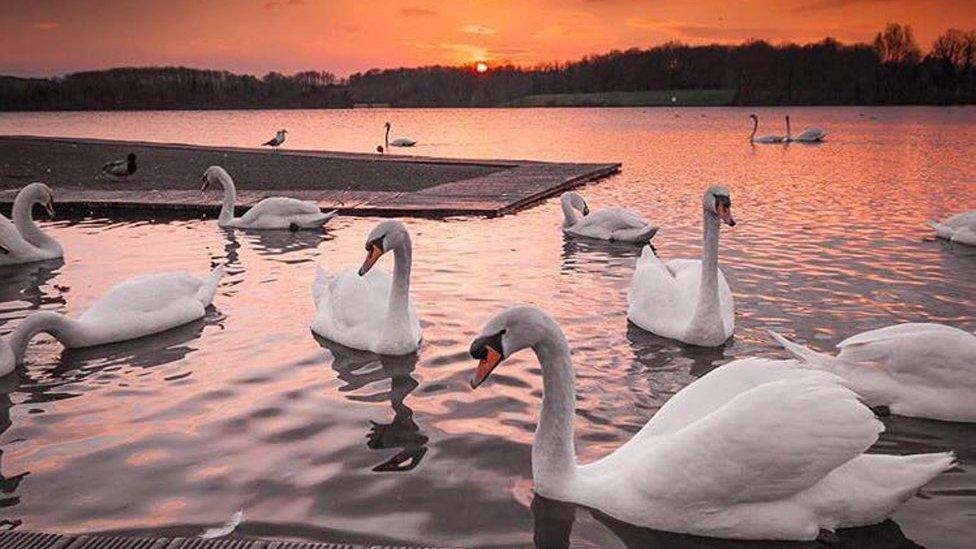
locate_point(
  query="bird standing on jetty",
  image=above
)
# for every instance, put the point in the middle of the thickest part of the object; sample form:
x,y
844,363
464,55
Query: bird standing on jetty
x,y
276,141
121,168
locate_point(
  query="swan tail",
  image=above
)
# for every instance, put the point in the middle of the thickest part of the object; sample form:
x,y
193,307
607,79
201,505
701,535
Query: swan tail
x,y
641,235
207,290
328,215
906,475
320,287
942,231
808,355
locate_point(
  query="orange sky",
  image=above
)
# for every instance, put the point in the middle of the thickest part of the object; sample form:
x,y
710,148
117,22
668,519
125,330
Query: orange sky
x,y
42,37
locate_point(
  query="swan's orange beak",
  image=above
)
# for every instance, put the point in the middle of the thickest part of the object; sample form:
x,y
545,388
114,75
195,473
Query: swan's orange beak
x,y
49,207
371,258
485,366
725,213
206,183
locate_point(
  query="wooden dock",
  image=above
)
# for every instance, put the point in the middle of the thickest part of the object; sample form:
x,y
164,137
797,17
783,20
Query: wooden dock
x,y
168,179
36,540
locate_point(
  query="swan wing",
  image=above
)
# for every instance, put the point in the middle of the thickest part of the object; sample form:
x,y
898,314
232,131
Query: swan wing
x,y
926,353
615,224
13,241
713,390
279,212
766,443
352,309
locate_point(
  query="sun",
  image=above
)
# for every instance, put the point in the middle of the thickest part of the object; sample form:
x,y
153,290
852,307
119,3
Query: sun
x,y
481,67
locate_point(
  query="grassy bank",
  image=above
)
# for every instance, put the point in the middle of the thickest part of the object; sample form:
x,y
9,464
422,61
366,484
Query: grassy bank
x,y
652,98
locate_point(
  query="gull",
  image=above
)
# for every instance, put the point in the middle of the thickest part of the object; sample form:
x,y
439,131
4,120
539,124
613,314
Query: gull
x,y
276,142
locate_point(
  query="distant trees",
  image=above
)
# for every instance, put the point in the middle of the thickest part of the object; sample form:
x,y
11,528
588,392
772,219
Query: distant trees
x,y
172,88
890,70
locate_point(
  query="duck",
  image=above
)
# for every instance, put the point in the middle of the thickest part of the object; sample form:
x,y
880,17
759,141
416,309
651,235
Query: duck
x,y
365,308
24,240
612,224
959,228
756,449
135,308
924,370
121,169
276,212
687,299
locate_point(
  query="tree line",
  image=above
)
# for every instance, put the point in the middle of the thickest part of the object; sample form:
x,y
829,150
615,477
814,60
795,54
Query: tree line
x,y
891,70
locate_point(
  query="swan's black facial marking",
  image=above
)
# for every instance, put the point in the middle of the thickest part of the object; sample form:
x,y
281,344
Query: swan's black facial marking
x,y
374,250
586,209
488,350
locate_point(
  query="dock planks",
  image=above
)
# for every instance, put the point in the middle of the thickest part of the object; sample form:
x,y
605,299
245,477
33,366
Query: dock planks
x,y
354,184
37,540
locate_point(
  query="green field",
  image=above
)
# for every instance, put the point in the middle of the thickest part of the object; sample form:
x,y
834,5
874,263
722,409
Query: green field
x,y
651,98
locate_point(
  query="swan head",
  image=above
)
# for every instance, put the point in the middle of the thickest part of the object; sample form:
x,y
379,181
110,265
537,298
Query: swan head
x,y
385,236
576,201
387,125
39,193
718,201
505,334
211,174
754,117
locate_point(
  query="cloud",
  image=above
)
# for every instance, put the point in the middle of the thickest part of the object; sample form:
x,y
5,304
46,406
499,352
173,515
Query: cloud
x,y
46,25
678,29
477,29
417,12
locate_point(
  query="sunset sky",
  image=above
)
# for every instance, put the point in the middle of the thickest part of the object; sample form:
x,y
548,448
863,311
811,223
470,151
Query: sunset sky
x,y
45,37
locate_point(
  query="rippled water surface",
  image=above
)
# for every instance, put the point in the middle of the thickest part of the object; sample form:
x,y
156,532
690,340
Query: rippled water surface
x,y
246,409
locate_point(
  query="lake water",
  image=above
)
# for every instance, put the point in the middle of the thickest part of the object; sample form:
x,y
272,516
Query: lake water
x,y
246,409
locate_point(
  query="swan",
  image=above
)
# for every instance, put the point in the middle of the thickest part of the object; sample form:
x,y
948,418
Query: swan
x,y
23,239
613,224
959,228
812,135
401,142
134,308
277,212
755,449
687,299
915,369
366,309
765,139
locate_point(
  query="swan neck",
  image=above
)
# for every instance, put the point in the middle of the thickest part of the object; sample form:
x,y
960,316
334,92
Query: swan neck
x,y
789,134
398,311
61,327
553,450
707,319
755,128
25,224
386,138
230,198
569,212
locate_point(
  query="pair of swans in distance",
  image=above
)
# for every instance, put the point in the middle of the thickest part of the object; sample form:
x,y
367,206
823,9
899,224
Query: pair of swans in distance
x,y
812,135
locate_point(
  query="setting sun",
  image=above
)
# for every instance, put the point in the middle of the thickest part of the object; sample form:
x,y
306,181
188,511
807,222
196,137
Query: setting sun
x,y
481,67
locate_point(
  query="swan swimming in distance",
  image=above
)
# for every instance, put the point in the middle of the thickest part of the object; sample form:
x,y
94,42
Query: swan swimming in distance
x,y
135,308
24,240
400,142
613,224
812,135
277,212
687,299
959,228
756,449
765,139
922,370
365,308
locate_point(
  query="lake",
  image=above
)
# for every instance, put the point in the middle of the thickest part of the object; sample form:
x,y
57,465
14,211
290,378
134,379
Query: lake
x,y
246,409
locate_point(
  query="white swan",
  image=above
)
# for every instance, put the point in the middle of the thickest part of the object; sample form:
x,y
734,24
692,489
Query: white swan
x,y
765,139
613,224
400,142
135,308
277,212
23,239
366,309
812,135
959,228
918,370
756,449
687,299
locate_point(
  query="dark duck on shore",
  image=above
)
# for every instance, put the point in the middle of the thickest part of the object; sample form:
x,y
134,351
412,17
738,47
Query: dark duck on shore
x,y
121,169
